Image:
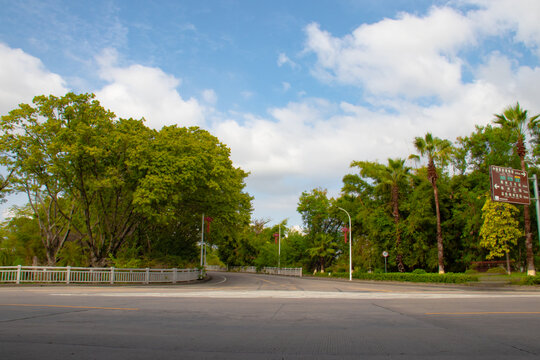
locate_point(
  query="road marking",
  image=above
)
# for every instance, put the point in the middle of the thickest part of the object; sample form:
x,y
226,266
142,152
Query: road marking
x,y
72,307
283,294
487,313
222,281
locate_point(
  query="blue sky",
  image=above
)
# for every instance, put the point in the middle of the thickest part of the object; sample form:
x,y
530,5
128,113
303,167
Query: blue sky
x,y
296,89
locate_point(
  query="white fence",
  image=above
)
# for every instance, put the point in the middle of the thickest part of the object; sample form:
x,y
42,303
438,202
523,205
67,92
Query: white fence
x,y
246,269
215,268
265,270
67,275
283,271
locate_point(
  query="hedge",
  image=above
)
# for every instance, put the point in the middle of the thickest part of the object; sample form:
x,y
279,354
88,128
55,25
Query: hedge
x,y
448,278
530,280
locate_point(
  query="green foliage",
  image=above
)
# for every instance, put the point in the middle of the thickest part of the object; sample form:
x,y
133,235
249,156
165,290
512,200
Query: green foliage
x,y
73,254
500,230
7,257
530,280
97,184
497,270
322,228
449,278
21,242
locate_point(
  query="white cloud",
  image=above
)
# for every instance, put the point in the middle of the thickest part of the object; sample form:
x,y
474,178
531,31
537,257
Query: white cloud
x,y
22,77
410,56
209,96
246,94
286,86
140,91
283,59
519,17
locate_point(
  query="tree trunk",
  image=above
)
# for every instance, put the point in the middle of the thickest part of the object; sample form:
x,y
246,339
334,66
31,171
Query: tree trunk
x,y
508,264
440,247
395,213
528,234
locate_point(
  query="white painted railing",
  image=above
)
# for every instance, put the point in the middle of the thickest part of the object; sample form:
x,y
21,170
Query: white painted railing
x,y
268,270
215,268
53,274
283,271
246,269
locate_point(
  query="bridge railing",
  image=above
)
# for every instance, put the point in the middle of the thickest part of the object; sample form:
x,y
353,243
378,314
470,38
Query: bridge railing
x,y
283,271
265,270
67,275
246,269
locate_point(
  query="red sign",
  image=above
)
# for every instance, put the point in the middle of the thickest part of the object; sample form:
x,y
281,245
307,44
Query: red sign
x,y
345,231
509,185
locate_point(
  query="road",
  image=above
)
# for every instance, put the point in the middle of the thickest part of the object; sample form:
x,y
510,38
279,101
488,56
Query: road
x,y
243,316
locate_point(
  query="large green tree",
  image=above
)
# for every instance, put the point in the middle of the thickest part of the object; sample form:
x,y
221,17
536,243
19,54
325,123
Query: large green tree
x,y
389,179
111,181
500,230
516,120
436,150
321,227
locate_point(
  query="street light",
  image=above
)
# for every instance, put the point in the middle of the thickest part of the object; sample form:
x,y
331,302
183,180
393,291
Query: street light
x,y
350,243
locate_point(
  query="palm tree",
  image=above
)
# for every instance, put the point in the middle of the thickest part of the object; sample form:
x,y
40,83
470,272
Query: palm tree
x,y
395,174
515,120
389,178
436,150
323,248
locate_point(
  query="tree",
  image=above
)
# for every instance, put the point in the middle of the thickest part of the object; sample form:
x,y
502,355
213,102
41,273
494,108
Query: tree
x,y
34,156
516,120
389,179
437,151
321,227
500,230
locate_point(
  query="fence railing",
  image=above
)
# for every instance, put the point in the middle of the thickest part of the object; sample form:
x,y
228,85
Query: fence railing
x,y
246,269
283,271
52,274
215,268
265,270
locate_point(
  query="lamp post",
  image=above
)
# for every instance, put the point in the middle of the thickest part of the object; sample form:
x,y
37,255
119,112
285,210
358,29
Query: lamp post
x,y
202,242
350,243
279,250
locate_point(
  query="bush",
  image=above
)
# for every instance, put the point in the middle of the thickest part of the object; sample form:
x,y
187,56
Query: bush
x,y
530,280
497,270
419,271
448,278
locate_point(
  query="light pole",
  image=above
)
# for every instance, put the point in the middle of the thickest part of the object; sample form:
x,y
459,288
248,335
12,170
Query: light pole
x,y
279,251
202,241
350,243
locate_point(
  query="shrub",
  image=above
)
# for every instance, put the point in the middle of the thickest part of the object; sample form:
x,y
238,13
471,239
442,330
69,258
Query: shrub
x,y
419,271
449,278
496,270
530,280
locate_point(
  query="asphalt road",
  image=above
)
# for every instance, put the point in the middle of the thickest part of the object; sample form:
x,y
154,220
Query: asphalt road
x,y
242,316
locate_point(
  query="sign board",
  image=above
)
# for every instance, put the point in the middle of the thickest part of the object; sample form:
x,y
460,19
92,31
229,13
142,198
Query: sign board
x,y
385,253
509,185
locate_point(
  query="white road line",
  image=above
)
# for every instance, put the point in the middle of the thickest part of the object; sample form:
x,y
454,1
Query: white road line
x,y
221,282
279,294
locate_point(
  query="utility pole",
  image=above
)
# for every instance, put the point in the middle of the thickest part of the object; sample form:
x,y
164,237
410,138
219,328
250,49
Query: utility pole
x,y
350,244
202,241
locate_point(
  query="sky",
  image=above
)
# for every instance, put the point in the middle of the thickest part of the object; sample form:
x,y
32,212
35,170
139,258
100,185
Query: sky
x,y
296,89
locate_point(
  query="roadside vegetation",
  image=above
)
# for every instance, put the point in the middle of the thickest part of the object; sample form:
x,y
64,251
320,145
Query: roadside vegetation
x,y
106,191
